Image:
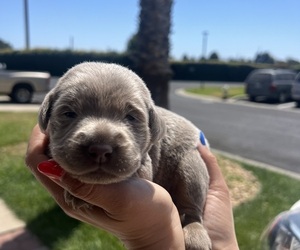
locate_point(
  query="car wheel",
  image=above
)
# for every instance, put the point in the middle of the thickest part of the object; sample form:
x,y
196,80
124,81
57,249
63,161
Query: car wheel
x,y
298,104
22,94
282,97
252,98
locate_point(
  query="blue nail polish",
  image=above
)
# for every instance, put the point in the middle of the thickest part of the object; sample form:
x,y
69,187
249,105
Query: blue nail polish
x,y
202,138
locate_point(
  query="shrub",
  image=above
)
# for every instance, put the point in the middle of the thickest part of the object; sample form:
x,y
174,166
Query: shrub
x,y
57,62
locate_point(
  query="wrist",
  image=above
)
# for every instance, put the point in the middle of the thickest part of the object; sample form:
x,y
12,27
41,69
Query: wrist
x,y
165,235
227,245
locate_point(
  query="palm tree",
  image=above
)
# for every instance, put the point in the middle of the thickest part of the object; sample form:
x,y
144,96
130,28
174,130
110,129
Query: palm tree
x,y
151,53
4,45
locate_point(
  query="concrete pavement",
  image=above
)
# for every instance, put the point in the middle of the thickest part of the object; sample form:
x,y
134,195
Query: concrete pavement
x,y
13,232
19,108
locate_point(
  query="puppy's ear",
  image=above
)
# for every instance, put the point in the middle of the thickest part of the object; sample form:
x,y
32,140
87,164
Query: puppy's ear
x,y
157,126
45,111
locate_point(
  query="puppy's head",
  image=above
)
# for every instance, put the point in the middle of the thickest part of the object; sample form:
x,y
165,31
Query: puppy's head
x,y
101,122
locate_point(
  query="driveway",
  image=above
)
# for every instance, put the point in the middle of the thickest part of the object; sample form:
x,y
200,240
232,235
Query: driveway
x,y
257,131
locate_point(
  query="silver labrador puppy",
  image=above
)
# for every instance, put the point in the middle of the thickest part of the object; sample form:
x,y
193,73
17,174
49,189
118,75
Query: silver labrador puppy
x,y
104,127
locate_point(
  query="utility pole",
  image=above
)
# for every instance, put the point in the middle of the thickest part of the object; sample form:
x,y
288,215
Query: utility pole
x,y
26,25
71,43
204,44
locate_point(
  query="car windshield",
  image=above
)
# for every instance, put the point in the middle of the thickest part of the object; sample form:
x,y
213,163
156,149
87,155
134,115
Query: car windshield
x,y
285,77
262,78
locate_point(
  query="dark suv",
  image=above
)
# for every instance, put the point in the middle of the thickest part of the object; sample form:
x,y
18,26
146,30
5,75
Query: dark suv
x,y
271,84
296,91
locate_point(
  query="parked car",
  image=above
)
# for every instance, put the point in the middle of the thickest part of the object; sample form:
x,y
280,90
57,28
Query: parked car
x,y
271,84
296,90
21,85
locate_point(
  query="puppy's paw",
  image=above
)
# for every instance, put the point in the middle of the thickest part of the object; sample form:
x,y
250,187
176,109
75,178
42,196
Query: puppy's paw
x,y
196,237
74,202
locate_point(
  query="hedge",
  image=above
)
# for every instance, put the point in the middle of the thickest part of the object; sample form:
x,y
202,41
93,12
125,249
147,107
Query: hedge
x,y
55,61
58,62
210,71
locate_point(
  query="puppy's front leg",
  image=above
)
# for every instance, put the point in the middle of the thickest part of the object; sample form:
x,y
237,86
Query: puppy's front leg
x,y
196,237
191,191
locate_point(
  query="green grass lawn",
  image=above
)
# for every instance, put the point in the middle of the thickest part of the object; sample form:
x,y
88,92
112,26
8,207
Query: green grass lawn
x,y
31,202
278,193
217,91
44,218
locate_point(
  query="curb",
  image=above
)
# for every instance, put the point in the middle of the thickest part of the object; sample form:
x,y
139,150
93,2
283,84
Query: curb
x,y
258,164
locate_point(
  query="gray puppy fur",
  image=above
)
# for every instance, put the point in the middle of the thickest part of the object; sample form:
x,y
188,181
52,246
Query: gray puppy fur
x,y
104,127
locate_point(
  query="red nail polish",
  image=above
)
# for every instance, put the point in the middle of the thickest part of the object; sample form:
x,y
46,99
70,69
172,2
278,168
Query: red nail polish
x,y
51,169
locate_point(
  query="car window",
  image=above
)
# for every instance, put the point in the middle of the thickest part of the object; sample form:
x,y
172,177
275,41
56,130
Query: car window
x,y
285,77
261,78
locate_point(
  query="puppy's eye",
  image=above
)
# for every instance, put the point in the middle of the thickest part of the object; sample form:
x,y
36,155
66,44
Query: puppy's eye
x,y
70,114
130,118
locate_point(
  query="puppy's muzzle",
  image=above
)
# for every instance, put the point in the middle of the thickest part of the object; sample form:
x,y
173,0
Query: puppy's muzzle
x,y
100,153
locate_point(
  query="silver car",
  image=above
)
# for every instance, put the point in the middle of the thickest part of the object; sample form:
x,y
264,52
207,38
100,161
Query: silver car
x,y
21,85
296,91
272,84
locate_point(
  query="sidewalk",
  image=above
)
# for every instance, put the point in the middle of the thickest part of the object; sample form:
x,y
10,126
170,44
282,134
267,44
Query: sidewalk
x,y
13,232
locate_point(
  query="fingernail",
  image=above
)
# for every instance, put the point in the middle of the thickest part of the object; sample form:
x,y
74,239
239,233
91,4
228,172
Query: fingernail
x,y
51,169
202,138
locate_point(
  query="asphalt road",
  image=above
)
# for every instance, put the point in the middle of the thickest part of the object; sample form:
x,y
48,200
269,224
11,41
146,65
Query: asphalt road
x,y
268,133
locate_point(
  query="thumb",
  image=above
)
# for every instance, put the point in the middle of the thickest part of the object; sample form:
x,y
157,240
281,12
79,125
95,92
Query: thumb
x,y
101,195
52,170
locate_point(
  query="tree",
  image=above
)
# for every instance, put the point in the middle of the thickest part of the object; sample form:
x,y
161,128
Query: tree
x,y
185,58
214,56
292,62
264,58
149,48
4,45
132,45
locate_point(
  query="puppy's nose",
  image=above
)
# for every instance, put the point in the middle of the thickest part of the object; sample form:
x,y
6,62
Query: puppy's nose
x,y
100,152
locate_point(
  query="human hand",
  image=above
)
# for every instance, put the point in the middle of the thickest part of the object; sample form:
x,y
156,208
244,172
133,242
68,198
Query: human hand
x,y
218,217
140,213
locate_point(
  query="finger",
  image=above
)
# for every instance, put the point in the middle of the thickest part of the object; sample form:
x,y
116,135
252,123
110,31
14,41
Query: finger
x,y
214,171
108,196
35,154
118,194
95,216
59,177
107,201
36,149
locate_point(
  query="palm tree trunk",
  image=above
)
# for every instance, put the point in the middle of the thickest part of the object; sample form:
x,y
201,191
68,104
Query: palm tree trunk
x,y
152,55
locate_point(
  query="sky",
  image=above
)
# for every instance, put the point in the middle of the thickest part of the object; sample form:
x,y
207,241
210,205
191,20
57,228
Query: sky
x,y
237,29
